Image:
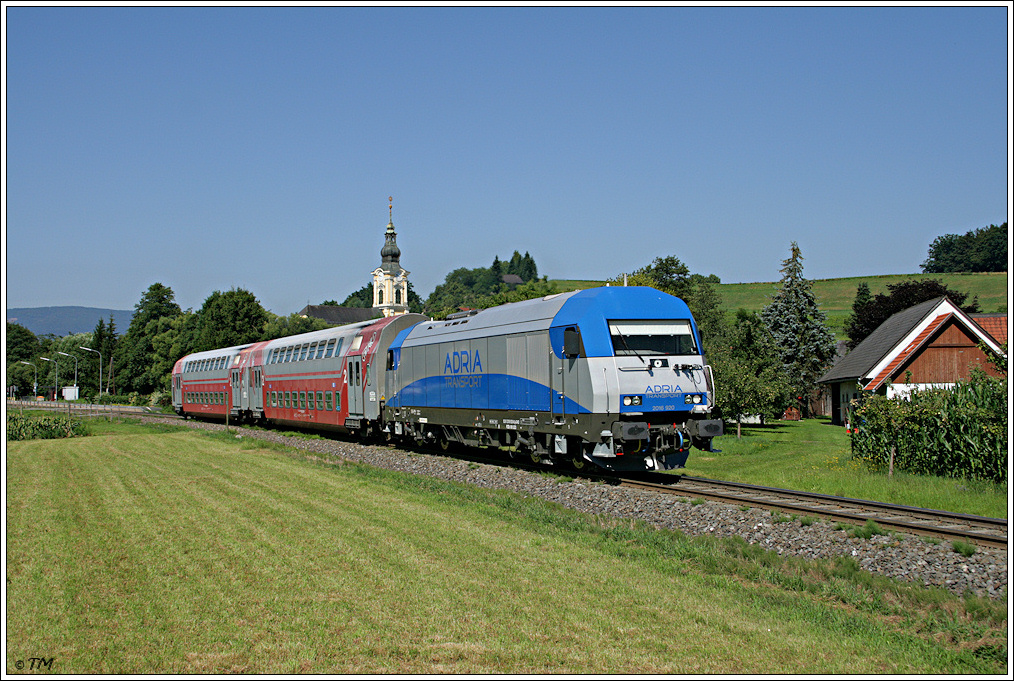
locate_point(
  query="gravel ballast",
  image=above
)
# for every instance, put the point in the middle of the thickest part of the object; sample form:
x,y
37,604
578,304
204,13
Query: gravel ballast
x,y
906,557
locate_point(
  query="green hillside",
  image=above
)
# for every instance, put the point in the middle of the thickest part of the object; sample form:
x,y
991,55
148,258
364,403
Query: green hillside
x,y
835,296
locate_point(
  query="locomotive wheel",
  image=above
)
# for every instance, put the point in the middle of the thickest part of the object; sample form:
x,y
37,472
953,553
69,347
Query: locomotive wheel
x,y
578,463
444,443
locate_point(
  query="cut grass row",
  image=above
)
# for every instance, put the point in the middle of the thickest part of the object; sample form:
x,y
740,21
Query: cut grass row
x,y
181,553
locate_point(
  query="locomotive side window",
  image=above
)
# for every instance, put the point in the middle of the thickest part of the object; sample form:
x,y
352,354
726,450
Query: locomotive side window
x,y
650,337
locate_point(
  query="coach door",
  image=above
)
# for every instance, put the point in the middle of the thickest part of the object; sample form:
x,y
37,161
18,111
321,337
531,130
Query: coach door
x,y
355,380
237,388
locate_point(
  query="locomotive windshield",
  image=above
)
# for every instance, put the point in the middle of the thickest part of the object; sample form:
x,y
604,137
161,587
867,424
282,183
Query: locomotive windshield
x,y
652,337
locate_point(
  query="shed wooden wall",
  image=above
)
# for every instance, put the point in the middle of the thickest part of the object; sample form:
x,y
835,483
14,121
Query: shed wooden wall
x,y
947,358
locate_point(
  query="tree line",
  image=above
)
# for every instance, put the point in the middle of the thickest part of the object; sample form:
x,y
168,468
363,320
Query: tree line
x,y
978,250
763,361
140,362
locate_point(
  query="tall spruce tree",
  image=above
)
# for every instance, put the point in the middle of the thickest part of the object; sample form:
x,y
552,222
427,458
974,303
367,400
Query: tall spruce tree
x,y
799,327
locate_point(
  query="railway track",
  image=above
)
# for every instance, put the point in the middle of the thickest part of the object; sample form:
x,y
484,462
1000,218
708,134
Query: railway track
x,y
989,532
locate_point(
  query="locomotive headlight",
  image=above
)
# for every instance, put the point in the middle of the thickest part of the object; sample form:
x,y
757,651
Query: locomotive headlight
x,y
688,399
697,399
626,401
631,400
636,400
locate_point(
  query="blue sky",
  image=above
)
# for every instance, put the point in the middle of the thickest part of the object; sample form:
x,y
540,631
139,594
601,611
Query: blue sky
x,y
211,148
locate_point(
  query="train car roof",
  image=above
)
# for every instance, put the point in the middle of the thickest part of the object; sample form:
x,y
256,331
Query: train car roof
x,y
589,309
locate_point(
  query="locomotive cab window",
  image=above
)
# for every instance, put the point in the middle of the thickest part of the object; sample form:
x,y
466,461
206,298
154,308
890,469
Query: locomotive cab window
x,y
651,337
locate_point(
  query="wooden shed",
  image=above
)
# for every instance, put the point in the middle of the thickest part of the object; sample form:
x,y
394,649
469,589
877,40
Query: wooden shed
x,y
933,344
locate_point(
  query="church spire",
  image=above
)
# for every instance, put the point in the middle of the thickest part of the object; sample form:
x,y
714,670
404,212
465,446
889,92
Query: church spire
x,y
390,280
390,253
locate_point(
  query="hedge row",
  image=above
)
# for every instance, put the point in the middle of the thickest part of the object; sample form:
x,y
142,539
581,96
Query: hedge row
x,y
959,432
21,427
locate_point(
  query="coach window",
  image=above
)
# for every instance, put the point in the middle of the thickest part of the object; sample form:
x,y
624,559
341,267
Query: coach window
x,y
327,401
313,351
309,401
287,399
288,354
302,399
320,350
337,400
302,352
320,399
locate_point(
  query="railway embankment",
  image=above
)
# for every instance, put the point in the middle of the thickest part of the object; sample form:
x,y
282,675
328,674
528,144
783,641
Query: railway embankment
x,y
905,557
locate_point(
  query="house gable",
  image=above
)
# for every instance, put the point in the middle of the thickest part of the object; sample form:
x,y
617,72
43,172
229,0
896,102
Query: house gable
x,y
943,353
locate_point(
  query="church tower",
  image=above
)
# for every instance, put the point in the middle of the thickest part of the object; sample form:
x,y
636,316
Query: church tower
x,y
390,281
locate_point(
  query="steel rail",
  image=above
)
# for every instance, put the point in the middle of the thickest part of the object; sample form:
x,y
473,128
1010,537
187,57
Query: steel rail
x,y
981,530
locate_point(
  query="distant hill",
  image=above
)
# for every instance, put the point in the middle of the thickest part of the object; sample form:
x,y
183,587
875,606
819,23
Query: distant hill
x,y
835,296
63,321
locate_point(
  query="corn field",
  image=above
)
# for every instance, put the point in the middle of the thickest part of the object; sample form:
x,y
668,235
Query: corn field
x,y
21,427
958,432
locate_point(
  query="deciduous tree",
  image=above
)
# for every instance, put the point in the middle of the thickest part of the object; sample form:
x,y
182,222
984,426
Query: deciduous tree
x,y
135,350
748,370
869,313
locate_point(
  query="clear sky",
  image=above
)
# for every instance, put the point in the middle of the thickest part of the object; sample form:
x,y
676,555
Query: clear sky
x,y
209,148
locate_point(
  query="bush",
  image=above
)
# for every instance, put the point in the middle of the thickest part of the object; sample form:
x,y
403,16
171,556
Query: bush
x,y
957,432
21,427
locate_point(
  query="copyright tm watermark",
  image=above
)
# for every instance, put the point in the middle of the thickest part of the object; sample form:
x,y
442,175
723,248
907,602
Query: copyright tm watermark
x,y
34,664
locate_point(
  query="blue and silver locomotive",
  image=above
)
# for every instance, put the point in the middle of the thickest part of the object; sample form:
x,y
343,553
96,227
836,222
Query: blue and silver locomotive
x,y
613,377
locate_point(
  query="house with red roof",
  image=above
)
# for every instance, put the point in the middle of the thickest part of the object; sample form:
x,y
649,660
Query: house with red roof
x,y
933,344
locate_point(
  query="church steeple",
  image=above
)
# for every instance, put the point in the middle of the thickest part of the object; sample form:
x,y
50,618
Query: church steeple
x,y
390,280
390,253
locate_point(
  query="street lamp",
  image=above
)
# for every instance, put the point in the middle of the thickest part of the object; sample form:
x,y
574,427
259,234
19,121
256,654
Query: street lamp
x,y
75,364
35,386
100,364
56,390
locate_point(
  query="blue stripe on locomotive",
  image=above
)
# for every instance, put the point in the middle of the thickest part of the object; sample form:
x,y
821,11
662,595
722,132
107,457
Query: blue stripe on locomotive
x,y
590,310
480,391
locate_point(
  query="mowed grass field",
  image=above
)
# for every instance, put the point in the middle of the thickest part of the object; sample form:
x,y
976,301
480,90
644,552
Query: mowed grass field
x,y
138,551
835,296
815,456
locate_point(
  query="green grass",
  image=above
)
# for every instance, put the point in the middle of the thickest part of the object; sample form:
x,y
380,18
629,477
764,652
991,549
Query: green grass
x,y
814,456
176,553
835,296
